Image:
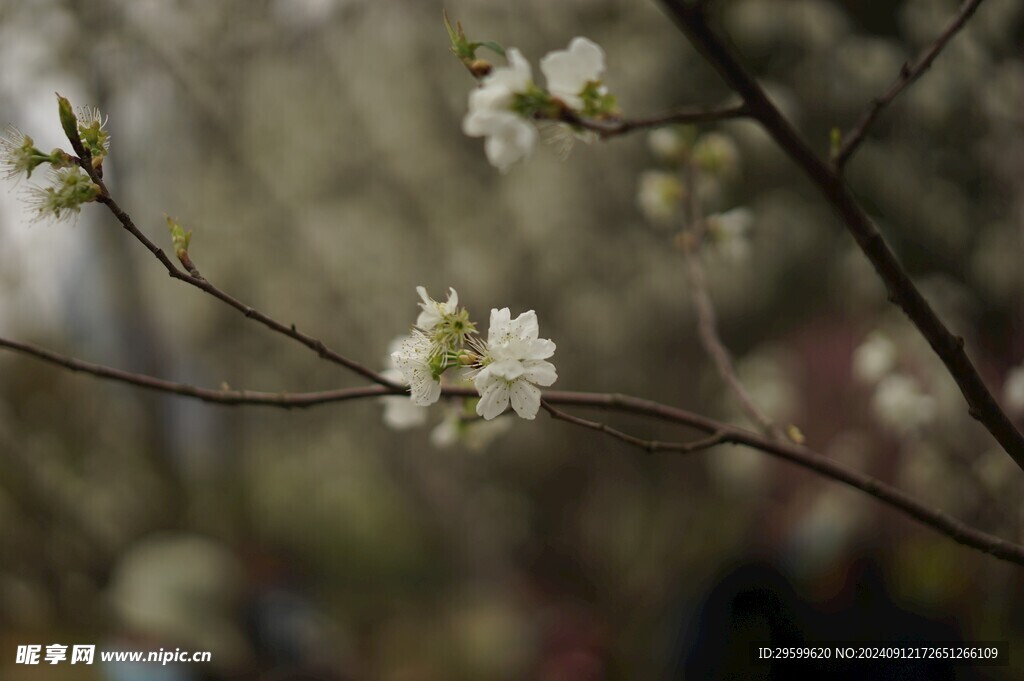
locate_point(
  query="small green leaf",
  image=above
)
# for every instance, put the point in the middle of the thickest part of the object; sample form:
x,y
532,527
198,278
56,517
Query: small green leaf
x,y
492,46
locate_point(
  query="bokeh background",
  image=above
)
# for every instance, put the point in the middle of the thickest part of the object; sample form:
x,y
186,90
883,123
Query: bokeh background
x,y
315,148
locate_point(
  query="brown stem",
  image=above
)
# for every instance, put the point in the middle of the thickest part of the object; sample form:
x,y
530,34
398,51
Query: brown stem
x,y
615,127
193,278
906,77
716,431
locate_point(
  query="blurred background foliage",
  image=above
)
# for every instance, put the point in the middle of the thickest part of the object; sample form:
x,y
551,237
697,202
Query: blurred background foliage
x,y
314,146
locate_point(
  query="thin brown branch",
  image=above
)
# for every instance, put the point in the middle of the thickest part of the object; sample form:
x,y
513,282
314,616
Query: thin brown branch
x,y
906,77
621,126
692,20
649,446
194,279
226,397
707,319
716,431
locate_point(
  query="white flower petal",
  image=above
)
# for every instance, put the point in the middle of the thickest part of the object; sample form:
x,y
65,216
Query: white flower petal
x,y
540,348
494,400
525,398
539,372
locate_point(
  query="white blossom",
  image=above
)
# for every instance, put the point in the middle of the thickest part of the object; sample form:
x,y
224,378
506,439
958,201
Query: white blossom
x,y
509,136
413,360
901,405
874,358
730,232
568,72
668,144
474,434
514,364
432,312
1013,390
716,154
659,195
400,412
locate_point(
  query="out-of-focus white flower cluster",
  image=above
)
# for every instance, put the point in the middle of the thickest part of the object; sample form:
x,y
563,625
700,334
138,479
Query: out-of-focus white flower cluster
x,y
506,106
696,168
899,402
507,368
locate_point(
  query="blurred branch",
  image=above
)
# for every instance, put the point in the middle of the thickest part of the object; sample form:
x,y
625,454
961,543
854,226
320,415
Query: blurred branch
x,y
707,320
615,127
907,75
693,21
717,432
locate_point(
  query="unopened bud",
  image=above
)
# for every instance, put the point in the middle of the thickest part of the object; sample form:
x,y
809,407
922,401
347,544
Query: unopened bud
x,y
69,122
479,67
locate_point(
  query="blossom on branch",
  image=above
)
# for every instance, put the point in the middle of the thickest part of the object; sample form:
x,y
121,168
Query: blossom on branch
x,y
509,136
415,359
573,75
513,364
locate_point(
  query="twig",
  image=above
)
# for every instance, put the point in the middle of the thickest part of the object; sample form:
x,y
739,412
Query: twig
x,y
616,127
907,75
716,431
226,397
649,446
193,278
692,20
707,320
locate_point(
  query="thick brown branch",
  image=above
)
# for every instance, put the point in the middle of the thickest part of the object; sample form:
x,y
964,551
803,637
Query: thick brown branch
x,y
907,75
616,127
902,291
716,431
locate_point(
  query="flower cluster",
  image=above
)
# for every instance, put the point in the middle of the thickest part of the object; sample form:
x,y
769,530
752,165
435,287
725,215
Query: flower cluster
x,y
505,107
899,402
506,368
68,186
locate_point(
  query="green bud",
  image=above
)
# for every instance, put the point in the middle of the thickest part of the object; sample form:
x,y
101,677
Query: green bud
x,y
180,240
68,121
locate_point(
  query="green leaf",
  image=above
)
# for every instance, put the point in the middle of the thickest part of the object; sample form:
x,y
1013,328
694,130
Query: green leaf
x,y
492,46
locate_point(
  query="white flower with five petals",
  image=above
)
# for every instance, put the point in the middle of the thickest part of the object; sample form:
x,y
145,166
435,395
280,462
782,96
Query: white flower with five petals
x,y
514,364
568,72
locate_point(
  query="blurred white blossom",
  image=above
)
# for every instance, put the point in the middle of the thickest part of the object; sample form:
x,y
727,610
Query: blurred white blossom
x,y
1013,390
509,136
874,358
659,195
668,144
569,72
730,233
413,359
400,412
900,404
458,427
716,153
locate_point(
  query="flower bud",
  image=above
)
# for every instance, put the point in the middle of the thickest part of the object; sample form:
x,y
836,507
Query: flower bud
x,y
69,122
479,67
